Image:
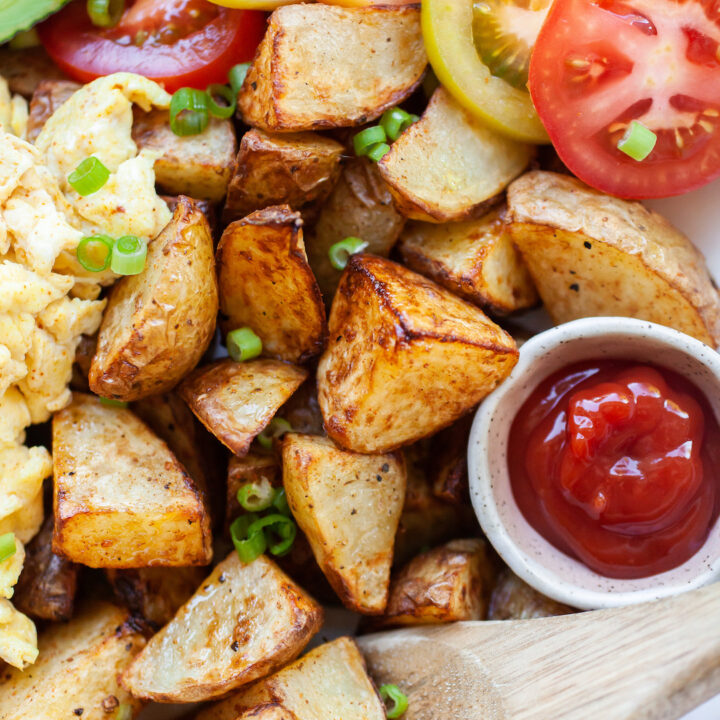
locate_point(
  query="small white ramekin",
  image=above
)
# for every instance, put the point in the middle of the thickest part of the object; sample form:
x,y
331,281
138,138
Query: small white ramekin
x,y
527,553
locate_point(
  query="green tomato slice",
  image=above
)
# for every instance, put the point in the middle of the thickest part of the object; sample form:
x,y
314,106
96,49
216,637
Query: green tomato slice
x,y
19,15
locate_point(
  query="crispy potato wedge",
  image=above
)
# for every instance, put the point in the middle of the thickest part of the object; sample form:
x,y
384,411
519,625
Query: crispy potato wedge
x,y
448,469
236,401
289,169
84,354
47,97
77,669
591,254
268,711
514,599
47,584
251,469
321,66
25,69
329,683
259,618
266,283
122,500
475,259
302,410
449,166
360,206
348,505
405,358
158,324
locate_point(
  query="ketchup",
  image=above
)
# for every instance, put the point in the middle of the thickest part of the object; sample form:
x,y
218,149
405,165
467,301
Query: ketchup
x,y
614,463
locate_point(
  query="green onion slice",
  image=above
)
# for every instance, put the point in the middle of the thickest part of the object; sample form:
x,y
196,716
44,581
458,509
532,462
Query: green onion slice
x,y
409,120
280,502
377,152
243,344
280,526
638,141
89,176
249,545
222,91
256,497
340,252
129,255
111,402
277,428
393,121
368,138
94,253
8,546
398,699
189,111
236,76
105,13
124,712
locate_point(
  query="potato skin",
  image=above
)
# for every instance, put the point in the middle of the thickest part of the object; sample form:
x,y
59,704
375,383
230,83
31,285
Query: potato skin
x,y
513,599
158,324
25,69
47,97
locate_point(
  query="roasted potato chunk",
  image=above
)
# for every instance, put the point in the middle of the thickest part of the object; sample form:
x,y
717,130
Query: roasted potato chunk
x,y
260,620
122,499
321,66
476,260
513,599
591,254
289,169
360,206
236,401
158,324
329,683
269,711
449,166
448,469
77,670
47,97
302,410
348,505
25,69
266,283
251,469
405,358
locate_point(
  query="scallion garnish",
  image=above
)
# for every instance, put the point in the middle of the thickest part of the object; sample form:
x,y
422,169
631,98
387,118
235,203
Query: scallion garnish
x,y
95,253
189,111
393,121
236,76
89,176
638,141
280,502
248,546
340,252
105,13
368,138
398,699
277,428
243,344
129,255
111,402
281,526
8,546
256,497
222,91
377,152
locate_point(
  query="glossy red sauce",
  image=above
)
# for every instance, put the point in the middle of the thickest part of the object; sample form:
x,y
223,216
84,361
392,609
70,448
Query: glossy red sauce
x,y
615,464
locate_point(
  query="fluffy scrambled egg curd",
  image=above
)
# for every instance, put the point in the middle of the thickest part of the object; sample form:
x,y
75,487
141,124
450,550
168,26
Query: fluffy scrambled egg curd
x,y
47,299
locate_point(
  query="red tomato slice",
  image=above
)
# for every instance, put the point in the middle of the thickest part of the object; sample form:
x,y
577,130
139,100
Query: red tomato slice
x,y
598,64
175,42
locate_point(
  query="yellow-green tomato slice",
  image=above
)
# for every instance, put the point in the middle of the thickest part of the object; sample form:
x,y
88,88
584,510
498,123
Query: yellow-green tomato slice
x,y
448,32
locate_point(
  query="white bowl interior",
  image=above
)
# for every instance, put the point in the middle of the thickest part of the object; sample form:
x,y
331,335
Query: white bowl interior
x,y
528,554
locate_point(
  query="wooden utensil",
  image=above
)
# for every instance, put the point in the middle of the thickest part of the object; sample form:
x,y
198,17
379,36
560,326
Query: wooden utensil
x,y
654,661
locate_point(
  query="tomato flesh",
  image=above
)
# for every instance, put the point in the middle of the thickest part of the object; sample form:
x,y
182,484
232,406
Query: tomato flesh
x,y
175,42
599,64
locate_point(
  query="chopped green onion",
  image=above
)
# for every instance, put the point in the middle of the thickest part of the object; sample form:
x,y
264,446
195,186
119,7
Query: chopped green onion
x,y
111,402
256,497
398,698
277,428
368,138
280,502
8,546
409,120
189,111
89,176
105,13
236,76
638,141
392,122
94,253
280,525
340,252
377,152
243,344
224,92
249,545
124,712
129,255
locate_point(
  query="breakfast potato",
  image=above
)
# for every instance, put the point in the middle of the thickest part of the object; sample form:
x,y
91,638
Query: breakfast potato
x,y
260,620
25,69
359,206
236,401
266,283
330,682
348,505
302,410
591,254
268,711
77,670
47,97
122,499
514,599
47,584
155,594
449,166
251,469
158,324
321,66
475,259
289,169
448,469
405,358
84,353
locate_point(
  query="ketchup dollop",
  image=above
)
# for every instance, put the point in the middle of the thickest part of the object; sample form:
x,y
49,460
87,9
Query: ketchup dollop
x,y
614,463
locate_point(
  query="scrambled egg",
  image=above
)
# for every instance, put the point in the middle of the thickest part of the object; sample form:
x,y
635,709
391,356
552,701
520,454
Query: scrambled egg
x,y
13,111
